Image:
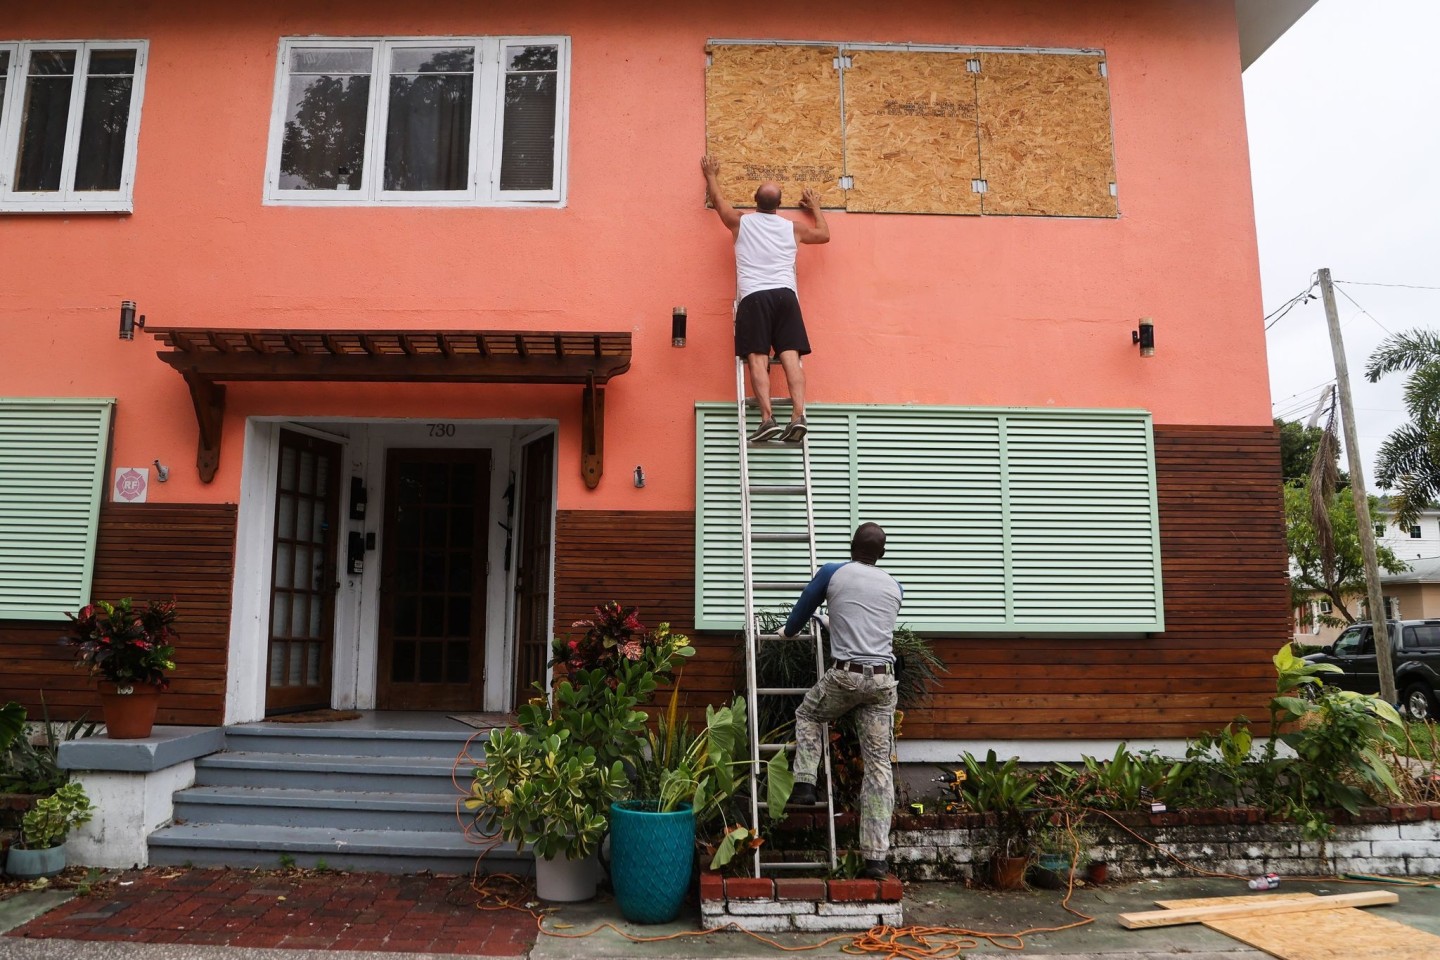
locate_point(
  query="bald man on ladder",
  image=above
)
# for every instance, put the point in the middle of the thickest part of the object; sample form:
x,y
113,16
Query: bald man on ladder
x,y
768,313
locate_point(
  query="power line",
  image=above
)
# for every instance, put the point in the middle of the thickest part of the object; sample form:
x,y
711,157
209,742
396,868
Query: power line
x,y
1405,286
1310,396
1365,312
1288,305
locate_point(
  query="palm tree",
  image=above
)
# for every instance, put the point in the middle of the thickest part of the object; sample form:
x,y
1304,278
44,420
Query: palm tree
x,y
1409,460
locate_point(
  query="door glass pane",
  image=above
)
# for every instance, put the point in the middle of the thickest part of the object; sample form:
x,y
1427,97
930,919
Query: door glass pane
x,y
45,112
325,115
402,618
296,664
307,480
527,152
104,120
402,665
277,663
457,663
312,663
432,616
280,615
315,611
287,468
284,566
300,616
303,579
305,514
431,666
432,565
459,623
427,131
286,510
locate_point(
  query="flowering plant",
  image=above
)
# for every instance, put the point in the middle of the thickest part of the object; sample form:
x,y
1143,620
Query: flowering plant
x,y
616,636
125,645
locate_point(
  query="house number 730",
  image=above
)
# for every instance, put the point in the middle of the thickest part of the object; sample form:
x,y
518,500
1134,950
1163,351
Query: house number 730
x,y
441,429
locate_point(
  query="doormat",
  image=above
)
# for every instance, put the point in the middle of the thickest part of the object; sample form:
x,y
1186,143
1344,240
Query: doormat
x,y
315,716
484,721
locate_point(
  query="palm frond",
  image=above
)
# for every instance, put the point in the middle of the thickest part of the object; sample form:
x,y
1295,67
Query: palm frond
x,y
1422,393
1403,351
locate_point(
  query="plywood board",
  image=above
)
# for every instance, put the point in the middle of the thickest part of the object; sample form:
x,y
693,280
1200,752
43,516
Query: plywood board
x,y
1269,907
1345,934
1045,143
773,113
911,140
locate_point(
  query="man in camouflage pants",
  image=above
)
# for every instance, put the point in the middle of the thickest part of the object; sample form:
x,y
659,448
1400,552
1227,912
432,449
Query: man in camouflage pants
x,y
864,604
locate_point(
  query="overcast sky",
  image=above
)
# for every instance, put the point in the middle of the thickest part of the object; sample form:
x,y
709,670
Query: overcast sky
x,y
1345,154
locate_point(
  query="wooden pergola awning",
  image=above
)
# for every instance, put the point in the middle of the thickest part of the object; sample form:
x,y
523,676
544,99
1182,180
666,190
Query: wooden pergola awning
x,y
209,357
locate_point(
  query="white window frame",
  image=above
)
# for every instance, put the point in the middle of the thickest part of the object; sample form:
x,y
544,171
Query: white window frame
x,y
67,200
486,123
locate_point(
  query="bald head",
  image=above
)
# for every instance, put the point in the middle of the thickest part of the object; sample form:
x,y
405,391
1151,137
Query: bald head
x,y
767,196
868,544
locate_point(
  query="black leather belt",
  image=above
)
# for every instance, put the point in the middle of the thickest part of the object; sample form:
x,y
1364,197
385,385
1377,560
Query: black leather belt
x,y
855,666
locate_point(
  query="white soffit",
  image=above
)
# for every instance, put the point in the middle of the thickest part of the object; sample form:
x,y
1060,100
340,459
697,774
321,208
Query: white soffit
x,y
1262,22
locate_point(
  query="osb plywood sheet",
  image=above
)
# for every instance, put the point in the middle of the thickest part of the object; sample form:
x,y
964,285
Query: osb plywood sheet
x,y
1045,144
1344,934
911,141
773,113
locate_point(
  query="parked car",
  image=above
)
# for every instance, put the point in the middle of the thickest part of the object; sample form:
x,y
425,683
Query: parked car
x,y
1415,652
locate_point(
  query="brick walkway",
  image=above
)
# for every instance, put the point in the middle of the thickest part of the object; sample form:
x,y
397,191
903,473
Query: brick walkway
x,y
334,911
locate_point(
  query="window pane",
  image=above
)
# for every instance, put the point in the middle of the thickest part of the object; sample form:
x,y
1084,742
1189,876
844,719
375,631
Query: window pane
x,y
527,154
329,98
427,135
42,124
4,75
431,60
105,119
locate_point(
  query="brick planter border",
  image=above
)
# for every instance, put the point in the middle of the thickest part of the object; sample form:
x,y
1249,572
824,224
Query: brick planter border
x,y
768,905
1401,840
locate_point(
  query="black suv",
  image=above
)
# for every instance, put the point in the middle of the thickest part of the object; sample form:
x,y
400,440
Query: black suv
x,y
1415,651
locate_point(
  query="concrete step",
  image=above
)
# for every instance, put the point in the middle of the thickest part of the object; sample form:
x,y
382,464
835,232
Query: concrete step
x,y
324,739
360,774
385,851
341,810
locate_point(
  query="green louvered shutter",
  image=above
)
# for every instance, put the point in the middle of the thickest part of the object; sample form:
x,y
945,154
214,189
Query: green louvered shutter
x,y
1006,521
52,463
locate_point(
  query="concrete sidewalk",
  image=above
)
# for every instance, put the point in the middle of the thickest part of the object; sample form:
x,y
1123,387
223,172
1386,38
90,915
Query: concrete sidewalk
x,y
926,905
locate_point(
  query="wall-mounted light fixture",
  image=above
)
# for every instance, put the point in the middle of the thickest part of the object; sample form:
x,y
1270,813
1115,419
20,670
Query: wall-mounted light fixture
x,y
1145,337
639,476
162,472
677,327
128,321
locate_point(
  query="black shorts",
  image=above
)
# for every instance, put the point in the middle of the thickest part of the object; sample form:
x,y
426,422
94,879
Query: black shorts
x,y
770,319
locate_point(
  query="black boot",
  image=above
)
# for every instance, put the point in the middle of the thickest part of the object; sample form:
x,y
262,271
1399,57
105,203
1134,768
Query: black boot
x,y
803,795
875,870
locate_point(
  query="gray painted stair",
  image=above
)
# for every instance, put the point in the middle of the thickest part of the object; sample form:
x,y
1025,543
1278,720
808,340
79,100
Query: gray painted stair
x,y
360,799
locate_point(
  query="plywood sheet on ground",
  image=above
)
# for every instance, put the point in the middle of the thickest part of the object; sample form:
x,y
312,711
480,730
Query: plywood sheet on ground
x,y
911,140
1345,934
773,113
1045,143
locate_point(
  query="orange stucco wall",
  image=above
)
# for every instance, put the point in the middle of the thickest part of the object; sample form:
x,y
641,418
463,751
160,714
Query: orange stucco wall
x,y
952,310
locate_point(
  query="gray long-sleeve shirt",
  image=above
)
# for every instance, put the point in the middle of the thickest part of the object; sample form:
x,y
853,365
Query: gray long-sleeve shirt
x,y
864,605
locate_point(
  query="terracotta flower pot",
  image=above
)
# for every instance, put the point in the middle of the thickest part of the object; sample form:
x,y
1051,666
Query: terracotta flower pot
x,y
129,710
1008,873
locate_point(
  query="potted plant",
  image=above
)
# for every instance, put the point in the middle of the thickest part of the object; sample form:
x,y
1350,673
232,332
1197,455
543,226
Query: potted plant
x,y
129,650
538,787
1061,853
1003,791
43,831
681,779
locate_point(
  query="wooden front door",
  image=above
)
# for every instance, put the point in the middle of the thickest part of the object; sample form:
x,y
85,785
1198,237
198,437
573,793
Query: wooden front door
x,y
303,577
532,572
432,580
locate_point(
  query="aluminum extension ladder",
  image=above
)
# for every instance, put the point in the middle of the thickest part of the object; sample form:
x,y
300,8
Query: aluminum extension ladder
x,y
753,540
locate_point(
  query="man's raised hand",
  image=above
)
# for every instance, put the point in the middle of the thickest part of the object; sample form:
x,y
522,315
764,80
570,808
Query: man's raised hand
x,y
810,199
709,166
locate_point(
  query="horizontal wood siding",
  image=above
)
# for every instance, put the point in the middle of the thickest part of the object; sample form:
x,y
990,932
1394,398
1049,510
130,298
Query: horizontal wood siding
x,y
145,551
1226,609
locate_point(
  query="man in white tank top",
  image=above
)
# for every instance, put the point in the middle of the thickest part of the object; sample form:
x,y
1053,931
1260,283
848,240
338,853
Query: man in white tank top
x,y
768,315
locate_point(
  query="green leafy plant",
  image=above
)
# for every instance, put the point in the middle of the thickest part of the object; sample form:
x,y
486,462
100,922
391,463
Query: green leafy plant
x,y
703,769
542,789
1004,791
125,645
53,817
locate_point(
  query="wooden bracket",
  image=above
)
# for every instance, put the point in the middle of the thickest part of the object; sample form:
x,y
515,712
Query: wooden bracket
x,y
209,400
592,433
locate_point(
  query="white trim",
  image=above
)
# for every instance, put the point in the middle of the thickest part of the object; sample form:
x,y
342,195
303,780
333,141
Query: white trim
x,y
844,46
948,752
67,199
486,123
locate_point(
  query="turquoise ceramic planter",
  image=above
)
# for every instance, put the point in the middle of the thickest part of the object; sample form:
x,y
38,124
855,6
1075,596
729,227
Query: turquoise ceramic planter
x,y
29,864
652,858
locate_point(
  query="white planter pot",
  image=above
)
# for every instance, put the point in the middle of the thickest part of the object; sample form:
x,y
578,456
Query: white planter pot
x,y
29,864
566,881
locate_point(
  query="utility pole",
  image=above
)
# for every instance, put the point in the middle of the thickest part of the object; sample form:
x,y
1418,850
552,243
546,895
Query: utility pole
x,y
1378,620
